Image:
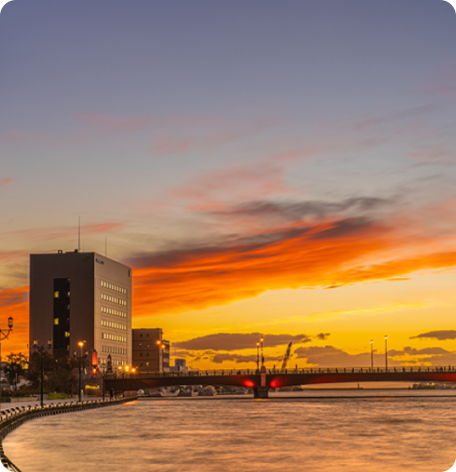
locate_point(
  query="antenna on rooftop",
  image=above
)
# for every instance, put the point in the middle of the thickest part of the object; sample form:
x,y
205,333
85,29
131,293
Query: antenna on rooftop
x,y
79,234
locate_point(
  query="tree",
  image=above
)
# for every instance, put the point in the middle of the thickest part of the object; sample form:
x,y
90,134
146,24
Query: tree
x,y
15,368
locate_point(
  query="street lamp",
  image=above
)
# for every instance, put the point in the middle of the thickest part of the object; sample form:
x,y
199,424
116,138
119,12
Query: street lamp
x,y
42,351
386,353
80,357
262,357
372,355
258,355
4,335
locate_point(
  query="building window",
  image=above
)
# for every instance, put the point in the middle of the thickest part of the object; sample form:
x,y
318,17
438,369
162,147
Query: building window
x,y
56,321
56,294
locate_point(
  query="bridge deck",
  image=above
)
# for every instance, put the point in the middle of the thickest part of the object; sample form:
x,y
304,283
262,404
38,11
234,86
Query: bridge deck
x,y
278,378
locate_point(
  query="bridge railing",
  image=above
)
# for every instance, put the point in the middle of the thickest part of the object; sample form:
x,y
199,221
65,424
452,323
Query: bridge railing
x,y
297,370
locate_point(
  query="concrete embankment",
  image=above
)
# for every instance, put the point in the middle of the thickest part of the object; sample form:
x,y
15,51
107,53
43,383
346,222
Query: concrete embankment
x,y
14,417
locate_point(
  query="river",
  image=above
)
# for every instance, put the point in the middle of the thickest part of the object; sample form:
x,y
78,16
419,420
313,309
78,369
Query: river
x,y
363,431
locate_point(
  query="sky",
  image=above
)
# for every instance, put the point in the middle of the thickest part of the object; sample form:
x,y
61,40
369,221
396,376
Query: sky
x,y
275,169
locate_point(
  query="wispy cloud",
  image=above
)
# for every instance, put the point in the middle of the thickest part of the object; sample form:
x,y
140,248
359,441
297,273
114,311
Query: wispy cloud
x,y
440,335
5,180
134,123
330,356
62,232
237,341
334,253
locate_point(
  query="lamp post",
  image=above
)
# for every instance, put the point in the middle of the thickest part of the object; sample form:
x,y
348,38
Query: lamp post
x,y
80,358
372,355
258,356
386,353
262,357
4,335
42,351
103,380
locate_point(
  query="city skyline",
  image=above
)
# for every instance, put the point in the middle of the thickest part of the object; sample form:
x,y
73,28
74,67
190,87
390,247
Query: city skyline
x,y
285,173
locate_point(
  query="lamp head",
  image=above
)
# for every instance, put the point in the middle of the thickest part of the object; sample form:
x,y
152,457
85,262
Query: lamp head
x,y
10,322
261,340
386,337
372,342
74,353
80,344
49,343
35,343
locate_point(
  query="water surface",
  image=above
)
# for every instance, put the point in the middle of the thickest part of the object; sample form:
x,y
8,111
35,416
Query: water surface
x,y
391,433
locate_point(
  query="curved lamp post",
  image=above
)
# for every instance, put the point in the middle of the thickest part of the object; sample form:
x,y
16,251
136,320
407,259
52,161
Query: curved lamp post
x,y
4,335
80,357
42,351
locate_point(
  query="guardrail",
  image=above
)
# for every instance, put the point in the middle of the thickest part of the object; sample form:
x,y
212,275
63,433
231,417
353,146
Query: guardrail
x,y
14,417
330,370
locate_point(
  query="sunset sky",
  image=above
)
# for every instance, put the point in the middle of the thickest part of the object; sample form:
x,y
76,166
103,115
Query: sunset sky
x,y
284,169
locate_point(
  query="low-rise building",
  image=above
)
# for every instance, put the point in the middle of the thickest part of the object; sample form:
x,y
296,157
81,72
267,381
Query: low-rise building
x,y
150,350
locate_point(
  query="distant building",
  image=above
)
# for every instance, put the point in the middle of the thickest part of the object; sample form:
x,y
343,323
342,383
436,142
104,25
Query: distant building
x,y
179,366
81,296
150,350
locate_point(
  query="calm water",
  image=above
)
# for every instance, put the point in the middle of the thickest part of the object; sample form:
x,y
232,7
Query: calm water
x,y
241,434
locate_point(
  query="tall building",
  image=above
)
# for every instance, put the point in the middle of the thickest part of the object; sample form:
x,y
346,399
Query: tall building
x,y
150,350
81,296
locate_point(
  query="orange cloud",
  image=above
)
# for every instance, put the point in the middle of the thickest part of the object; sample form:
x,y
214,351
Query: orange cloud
x,y
14,303
5,180
326,254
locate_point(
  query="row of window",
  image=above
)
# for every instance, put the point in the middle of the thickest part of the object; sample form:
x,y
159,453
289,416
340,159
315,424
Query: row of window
x,y
115,362
111,324
113,337
114,350
108,298
113,287
112,311
57,294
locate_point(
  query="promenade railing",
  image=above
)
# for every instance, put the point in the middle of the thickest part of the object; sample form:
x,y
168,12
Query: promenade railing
x,y
14,417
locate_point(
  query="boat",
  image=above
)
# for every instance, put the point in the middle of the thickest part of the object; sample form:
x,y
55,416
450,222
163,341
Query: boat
x,y
169,391
208,391
189,390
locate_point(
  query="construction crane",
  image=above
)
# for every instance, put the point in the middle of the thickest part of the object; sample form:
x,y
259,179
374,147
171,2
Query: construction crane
x,y
287,356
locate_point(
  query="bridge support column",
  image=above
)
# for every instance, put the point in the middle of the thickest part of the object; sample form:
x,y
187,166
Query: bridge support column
x,y
260,392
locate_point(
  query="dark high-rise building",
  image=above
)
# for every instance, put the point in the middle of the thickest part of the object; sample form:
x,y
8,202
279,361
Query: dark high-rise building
x,y
81,296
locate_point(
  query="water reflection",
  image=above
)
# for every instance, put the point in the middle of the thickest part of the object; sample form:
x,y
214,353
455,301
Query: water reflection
x,y
219,434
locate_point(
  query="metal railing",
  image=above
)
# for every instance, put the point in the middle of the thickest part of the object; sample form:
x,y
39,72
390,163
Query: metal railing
x,y
325,370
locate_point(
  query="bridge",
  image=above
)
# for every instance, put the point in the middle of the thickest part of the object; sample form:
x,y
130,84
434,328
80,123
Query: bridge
x,y
261,381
